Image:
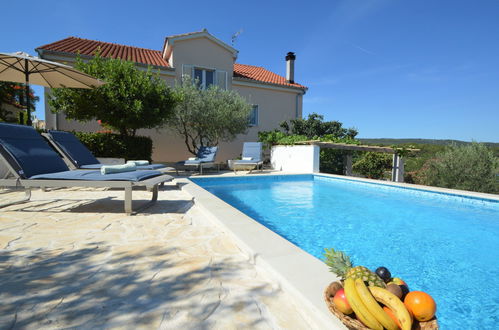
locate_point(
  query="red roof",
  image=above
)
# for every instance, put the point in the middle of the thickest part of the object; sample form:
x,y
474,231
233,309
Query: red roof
x,y
73,45
261,74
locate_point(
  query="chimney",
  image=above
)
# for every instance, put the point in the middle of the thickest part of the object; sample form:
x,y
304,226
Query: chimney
x,y
290,67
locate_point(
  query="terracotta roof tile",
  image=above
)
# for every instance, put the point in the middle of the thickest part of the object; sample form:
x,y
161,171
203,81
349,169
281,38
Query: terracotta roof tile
x,y
75,45
88,47
261,74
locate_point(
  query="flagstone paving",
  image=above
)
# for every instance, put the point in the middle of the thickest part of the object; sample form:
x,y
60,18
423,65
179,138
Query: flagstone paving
x,y
70,258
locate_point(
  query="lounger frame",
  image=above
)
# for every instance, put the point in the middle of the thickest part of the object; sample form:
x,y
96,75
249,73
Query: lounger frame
x,y
256,164
28,184
201,165
64,155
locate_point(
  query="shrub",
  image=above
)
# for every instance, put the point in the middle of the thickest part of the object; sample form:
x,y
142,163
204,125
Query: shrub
x,y
315,125
117,146
332,161
373,164
469,167
270,138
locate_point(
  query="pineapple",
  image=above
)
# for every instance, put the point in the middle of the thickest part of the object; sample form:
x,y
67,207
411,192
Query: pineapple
x,y
340,264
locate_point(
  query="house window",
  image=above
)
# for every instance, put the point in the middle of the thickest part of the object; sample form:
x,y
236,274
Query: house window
x,y
253,117
206,77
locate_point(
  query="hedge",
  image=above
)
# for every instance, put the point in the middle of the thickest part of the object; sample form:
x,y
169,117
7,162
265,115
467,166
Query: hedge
x,y
116,146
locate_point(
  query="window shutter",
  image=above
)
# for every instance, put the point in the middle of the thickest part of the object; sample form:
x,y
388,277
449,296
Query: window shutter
x,y
187,70
221,79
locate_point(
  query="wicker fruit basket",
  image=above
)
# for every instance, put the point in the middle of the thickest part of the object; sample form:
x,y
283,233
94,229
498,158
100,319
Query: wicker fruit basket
x,y
352,323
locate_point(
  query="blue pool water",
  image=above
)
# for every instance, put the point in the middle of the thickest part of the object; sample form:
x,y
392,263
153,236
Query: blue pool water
x,y
445,245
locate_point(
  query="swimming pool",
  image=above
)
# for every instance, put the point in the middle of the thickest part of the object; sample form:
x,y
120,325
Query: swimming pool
x,y
443,244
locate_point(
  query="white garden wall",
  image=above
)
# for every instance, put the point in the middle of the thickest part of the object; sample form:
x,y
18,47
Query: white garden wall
x,y
296,159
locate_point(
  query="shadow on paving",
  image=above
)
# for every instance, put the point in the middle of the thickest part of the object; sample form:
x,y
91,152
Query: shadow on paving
x,y
101,205
93,287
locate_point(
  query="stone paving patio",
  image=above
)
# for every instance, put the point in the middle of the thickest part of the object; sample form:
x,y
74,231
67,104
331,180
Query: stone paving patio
x,y
71,259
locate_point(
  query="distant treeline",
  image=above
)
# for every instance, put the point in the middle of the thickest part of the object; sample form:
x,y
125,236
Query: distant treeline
x,y
442,163
389,142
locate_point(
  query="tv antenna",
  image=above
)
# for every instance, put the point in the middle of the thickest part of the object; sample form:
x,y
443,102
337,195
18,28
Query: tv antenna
x,y
235,35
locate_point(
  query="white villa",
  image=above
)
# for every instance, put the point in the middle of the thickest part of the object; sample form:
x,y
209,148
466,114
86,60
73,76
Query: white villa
x,y
274,98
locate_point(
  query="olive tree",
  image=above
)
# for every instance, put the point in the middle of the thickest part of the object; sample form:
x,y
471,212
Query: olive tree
x,y
469,167
129,100
205,117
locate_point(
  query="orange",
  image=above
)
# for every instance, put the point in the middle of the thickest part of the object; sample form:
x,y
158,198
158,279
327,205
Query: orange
x,y
392,316
421,305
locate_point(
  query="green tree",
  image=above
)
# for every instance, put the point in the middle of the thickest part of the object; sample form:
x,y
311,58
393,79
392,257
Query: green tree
x,y
204,117
131,99
14,94
315,126
468,167
373,164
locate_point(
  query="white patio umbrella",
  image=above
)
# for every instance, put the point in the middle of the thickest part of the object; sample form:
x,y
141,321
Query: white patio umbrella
x,y
24,68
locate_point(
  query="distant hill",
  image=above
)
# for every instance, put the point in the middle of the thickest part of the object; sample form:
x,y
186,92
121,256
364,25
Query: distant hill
x,y
421,141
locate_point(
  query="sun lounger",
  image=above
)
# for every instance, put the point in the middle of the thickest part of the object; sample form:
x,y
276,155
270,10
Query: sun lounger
x,y
205,157
34,164
252,156
77,155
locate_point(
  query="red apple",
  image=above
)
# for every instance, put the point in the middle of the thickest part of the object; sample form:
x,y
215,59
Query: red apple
x,y
341,302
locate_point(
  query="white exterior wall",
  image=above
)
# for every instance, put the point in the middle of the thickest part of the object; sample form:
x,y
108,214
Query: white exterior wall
x,y
202,53
295,159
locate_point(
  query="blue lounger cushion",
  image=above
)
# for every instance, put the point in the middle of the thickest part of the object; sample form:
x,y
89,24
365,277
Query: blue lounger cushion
x,y
151,167
92,166
207,154
83,158
86,175
253,150
30,150
204,155
74,148
144,167
193,162
252,155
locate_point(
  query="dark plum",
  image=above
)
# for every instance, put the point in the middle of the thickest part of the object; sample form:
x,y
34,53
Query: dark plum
x,y
384,273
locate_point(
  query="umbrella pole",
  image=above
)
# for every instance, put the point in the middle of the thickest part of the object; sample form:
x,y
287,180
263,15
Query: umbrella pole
x,y
28,121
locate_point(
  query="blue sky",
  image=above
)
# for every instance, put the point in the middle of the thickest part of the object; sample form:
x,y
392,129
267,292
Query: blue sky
x,y
390,68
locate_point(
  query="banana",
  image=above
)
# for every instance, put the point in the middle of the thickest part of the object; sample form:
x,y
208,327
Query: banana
x,y
358,306
373,306
395,304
